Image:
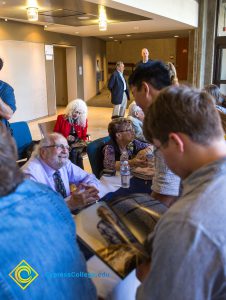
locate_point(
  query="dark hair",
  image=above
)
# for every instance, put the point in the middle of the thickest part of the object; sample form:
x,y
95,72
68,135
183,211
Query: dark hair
x,y
186,110
154,73
10,173
118,125
1,63
214,91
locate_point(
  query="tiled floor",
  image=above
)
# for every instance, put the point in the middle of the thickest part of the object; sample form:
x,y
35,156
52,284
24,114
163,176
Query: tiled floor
x,y
98,119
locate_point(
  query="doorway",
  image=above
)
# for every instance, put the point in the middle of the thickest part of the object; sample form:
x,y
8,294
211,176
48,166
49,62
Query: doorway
x,y
60,70
182,58
61,77
220,67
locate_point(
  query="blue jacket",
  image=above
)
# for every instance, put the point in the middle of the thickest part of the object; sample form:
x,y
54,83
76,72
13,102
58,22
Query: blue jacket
x,y
36,226
116,86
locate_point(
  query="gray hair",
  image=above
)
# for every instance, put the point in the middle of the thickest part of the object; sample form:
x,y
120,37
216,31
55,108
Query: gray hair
x,y
118,63
80,106
46,141
133,108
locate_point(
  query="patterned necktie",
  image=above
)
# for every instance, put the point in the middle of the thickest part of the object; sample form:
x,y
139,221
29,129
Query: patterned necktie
x,y
59,185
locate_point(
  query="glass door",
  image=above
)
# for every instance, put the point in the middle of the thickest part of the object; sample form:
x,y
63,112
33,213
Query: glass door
x,y
220,70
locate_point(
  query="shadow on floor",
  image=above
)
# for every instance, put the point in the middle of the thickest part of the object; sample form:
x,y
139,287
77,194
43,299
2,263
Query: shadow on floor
x,y
103,99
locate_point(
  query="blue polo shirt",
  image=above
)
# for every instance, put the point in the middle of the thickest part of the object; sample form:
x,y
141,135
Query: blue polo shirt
x,y
7,95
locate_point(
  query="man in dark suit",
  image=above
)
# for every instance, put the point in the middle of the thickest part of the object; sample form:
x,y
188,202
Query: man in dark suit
x,y
145,58
119,91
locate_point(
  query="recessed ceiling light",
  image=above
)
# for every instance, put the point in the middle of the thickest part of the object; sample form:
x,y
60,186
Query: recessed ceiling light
x,y
6,20
110,37
46,26
83,18
116,40
128,35
176,36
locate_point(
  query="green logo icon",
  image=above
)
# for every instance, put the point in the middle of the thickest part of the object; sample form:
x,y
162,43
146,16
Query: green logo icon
x,y
23,274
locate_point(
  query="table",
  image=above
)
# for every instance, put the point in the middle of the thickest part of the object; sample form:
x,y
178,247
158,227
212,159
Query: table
x,y
87,231
109,187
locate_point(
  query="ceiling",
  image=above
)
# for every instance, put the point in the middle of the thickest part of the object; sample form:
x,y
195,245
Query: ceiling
x,y
80,18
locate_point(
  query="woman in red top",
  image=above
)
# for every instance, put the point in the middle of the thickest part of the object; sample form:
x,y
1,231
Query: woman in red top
x,y
73,126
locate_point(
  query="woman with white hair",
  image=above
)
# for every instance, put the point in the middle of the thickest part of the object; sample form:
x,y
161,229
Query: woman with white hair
x,y
136,116
73,126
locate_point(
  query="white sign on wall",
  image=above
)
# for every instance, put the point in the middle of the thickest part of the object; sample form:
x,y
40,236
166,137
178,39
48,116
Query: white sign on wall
x,y
49,52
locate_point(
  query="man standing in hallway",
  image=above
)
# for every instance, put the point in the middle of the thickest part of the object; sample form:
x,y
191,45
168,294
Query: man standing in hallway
x,y
119,91
7,100
145,58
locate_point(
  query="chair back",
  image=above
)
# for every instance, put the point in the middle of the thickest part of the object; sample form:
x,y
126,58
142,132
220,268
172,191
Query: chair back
x,y
46,127
223,120
22,137
94,151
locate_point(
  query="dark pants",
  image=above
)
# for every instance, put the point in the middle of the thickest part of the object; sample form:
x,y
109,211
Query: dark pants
x,y
76,157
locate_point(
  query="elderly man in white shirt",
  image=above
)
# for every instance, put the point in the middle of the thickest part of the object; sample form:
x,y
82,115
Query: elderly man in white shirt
x,y
50,165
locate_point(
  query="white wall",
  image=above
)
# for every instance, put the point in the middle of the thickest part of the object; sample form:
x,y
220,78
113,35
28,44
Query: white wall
x,y
184,11
24,70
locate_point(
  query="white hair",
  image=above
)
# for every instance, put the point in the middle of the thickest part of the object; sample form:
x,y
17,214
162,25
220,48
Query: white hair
x,y
80,106
46,141
133,108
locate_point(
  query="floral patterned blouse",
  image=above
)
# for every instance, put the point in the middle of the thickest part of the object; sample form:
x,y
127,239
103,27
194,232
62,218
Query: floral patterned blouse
x,y
112,153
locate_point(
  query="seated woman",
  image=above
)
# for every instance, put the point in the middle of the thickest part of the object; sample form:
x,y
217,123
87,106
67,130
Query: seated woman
x,y
136,116
73,126
215,92
122,139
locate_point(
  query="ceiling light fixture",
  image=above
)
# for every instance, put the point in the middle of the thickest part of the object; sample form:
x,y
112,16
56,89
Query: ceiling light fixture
x,y
102,19
32,13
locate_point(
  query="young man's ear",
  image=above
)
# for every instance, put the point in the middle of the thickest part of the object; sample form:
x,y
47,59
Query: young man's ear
x,y
177,140
146,88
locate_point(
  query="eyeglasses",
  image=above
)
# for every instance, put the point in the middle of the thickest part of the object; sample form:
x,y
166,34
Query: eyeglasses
x,y
127,130
77,112
59,146
156,149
